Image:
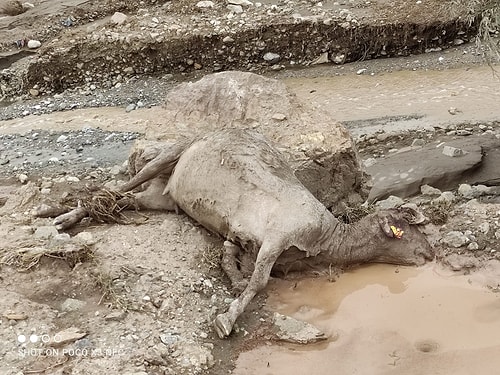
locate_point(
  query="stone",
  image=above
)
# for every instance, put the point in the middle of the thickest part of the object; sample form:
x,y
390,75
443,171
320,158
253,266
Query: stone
x,y
71,304
118,18
473,246
45,232
459,262
418,142
455,239
240,2
322,59
116,315
227,39
205,4
470,192
429,190
86,238
130,107
22,178
279,117
317,147
425,165
72,179
484,227
62,237
446,196
66,336
235,8
34,44
271,57
295,331
453,151
62,138
391,202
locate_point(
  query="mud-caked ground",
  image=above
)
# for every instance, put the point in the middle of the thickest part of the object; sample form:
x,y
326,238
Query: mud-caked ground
x,y
139,296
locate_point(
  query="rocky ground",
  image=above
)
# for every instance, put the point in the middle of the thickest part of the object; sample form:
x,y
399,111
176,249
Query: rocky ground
x,y
110,298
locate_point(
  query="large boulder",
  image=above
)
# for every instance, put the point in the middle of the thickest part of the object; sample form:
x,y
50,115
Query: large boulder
x,y
318,148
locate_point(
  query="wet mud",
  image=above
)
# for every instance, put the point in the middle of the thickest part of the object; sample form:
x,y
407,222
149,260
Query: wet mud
x,y
386,320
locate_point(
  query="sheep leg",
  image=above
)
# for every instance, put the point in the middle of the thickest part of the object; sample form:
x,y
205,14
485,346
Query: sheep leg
x,y
230,266
164,163
268,254
70,218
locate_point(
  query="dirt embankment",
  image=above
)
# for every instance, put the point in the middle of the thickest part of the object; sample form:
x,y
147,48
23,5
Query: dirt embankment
x,y
84,46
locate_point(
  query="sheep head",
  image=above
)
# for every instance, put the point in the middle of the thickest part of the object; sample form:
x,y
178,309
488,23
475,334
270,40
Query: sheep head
x,y
401,242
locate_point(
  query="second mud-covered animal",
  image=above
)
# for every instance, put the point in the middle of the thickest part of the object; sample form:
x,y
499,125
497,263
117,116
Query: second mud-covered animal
x,y
236,183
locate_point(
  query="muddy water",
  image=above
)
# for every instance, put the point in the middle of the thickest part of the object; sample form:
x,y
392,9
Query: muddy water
x,y
386,320
406,98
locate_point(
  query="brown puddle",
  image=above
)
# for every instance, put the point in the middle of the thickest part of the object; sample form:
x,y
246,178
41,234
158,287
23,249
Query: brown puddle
x,y
386,320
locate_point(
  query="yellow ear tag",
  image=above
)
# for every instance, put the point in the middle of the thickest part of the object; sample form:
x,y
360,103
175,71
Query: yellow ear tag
x,y
398,233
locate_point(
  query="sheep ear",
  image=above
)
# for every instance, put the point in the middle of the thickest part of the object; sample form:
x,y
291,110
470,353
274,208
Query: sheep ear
x,y
385,226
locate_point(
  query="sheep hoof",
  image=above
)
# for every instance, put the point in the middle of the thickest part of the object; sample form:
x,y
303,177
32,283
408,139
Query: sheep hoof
x,y
223,326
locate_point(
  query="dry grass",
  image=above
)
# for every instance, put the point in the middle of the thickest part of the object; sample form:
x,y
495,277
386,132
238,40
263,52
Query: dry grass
x,y
28,256
108,206
353,214
487,13
438,212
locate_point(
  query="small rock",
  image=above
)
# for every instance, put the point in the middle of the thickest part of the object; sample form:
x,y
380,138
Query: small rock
x,y
476,191
453,151
453,111
322,59
62,138
34,92
205,4
484,227
240,2
115,315
72,179
235,8
361,71
339,59
115,170
22,178
446,196
169,339
45,232
391,202
296,331
71,304
473,246
85,238
228,39
459,262
118,18
455,239
62,237
418,142
33,44
429,190
279,117
130,107
497,234
66,336
271,57
15,316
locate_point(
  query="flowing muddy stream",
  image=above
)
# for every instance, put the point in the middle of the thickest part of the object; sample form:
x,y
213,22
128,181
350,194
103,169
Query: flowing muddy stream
x,y
386,320
404,99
